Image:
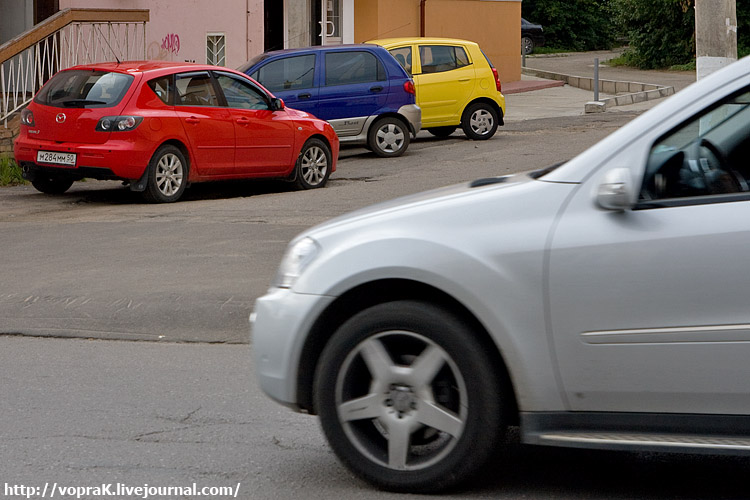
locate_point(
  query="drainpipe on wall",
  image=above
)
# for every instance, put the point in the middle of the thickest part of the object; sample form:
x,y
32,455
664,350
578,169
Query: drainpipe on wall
x,y
247,30
422,15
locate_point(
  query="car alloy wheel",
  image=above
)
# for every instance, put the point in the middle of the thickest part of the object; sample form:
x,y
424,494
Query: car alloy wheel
x,y
313,165
167,176
398,400
388,137
527,45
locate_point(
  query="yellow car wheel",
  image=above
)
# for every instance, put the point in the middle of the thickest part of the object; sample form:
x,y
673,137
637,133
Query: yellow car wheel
x,y
479,121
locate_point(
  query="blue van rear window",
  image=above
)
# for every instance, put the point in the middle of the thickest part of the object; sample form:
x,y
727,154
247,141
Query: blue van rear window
x,y
346,68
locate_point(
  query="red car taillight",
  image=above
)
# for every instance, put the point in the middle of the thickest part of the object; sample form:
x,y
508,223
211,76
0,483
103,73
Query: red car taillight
x,y
118,123
27,117
409,87
497,80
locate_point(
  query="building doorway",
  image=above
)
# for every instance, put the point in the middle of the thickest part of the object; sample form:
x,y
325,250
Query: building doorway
x,y
273,25
44,9
316,30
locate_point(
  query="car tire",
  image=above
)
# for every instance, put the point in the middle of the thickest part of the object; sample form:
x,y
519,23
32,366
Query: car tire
x,y
51,184
527,45
441,131
313,165
479,121
388,137
167,175
428,409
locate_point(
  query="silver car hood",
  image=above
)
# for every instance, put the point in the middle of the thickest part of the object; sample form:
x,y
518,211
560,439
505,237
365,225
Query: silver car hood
x,y
405,203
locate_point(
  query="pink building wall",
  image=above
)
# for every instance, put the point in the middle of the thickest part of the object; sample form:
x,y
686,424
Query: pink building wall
x,y
177,28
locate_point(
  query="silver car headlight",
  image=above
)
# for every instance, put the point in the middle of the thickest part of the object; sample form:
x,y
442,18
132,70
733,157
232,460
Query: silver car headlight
x,y
297,257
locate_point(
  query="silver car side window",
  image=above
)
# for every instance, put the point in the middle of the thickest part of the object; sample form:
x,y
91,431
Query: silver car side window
x,y
704,156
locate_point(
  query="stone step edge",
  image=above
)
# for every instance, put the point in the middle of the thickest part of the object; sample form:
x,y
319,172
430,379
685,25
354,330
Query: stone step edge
x,y
635,91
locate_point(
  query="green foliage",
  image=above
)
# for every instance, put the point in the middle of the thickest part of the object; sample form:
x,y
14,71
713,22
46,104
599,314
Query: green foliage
x,y
743,28
661,32
10,172
617,61
572,24
683,67
549,50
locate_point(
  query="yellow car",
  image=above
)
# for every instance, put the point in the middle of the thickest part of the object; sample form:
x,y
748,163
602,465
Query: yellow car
x,y
456,84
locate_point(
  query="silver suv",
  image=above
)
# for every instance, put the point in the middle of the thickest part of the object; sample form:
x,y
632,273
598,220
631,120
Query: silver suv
x,y
598,304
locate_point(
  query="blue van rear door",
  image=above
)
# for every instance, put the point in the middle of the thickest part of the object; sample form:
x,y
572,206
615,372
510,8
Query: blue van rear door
x,y
354,86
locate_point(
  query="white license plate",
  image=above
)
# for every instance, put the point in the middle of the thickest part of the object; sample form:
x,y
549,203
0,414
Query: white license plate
x,y
56,158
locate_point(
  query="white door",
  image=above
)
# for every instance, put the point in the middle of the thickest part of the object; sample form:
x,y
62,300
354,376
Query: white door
x,y
331,22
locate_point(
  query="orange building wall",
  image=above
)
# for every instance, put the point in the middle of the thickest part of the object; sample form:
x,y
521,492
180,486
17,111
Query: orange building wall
x,y
366,20
496,26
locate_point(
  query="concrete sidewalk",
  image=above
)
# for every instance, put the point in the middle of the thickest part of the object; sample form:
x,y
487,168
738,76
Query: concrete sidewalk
x,y
534,98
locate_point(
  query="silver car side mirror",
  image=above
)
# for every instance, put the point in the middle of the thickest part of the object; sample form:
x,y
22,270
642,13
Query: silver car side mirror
x,y
615,192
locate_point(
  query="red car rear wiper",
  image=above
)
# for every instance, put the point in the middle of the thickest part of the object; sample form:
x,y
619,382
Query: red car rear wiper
x,y
80,102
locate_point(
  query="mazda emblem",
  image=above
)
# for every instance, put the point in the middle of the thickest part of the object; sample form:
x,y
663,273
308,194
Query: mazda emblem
x,y
60,118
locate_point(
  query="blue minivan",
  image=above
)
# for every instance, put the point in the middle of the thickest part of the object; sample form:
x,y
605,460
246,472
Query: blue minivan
x,y
361,90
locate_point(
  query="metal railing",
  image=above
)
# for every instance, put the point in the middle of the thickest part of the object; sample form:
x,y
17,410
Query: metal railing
x,y
70,37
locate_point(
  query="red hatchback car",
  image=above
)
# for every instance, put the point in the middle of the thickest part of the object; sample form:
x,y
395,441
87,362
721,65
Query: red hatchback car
x,y
160,126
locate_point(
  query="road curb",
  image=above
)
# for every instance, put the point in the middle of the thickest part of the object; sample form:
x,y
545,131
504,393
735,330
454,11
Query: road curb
x,y
631,92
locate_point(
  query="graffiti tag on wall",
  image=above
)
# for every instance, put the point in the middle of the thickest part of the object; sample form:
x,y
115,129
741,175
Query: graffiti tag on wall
x,y
171,43
166,49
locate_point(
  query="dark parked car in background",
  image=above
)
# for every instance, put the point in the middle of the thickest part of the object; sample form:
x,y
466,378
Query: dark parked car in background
x,y
532,35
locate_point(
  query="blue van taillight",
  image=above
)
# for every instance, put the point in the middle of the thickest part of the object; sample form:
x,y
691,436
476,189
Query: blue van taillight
x,y
409,87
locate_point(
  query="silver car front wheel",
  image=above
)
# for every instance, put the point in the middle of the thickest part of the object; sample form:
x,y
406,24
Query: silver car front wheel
x,y
398,400
397,395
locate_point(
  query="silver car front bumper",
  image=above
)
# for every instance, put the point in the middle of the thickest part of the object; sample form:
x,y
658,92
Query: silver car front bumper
x,y
279,325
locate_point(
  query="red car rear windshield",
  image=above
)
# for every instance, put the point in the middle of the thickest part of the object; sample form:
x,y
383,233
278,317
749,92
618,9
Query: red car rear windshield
x,y
84,89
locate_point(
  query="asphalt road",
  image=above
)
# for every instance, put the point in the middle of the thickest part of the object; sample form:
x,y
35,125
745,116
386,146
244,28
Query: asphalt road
x,y
87,412
97,262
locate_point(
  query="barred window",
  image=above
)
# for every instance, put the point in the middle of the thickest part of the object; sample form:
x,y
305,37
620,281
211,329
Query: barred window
x,y
216,49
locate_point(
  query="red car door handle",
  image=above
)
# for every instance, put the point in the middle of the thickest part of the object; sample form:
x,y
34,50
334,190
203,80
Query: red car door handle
x,y
243,121
192,119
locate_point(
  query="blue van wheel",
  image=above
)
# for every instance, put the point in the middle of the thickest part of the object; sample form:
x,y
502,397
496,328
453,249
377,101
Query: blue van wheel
x,y
388,137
